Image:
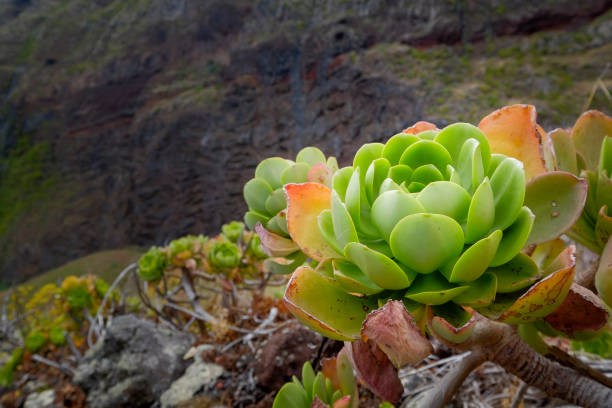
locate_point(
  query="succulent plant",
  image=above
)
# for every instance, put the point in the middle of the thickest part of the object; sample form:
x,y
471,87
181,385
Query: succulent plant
x,y
264,193
7,370
152,264
223,255
57,337
233,230
76,293
255,247
432,218
101,287
185,248
434,215
35,341
319,391
554,191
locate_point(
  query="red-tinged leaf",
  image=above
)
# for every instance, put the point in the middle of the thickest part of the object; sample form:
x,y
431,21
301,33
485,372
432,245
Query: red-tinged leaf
x,y
588,134
344,402
581,311
564,260
273,244
512,130
339,317
304,204
375,370
541,299
419,127
395,332
320,173
447,330
317,403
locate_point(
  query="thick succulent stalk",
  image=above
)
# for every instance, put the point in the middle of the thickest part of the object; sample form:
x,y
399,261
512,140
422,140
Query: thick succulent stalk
x,y
448,386
516,357
500,344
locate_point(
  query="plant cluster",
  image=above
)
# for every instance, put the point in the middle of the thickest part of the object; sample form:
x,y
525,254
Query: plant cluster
x,y
267,204
234,254
451,233
188,269
54,313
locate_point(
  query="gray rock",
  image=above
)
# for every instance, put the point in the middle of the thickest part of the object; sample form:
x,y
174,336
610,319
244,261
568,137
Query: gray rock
x,y
132,364
198,376
42,399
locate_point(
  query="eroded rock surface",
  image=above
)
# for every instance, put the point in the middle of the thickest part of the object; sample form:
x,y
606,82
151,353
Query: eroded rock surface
x,y
133,364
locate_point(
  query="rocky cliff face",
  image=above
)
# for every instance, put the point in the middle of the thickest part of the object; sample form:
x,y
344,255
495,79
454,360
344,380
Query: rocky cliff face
x,y
132,122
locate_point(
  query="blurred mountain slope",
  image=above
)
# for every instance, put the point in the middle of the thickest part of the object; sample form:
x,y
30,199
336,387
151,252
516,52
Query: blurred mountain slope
x,y
133,121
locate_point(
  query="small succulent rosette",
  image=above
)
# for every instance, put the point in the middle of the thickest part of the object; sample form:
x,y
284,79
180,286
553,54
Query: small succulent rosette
x,y
334,387
431,218
265,198
152,264
222,255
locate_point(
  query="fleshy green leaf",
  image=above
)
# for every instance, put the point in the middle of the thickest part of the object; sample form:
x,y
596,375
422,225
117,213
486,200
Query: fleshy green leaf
x,y
481,213
395,146
344,229
256,192
291,395
296,173
341,180
557,199
426,174
508,185
400,173
474,261
276,202
379,268
453,137
352,279
339,317
588,134
480,292
564,151
376,174
447,198
424,242
390,207
514,237
519,273
433,289
603,276
426,152
311,156
271,169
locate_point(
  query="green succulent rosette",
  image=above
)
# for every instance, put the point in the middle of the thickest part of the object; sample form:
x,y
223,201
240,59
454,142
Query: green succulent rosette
x,y
35,341
434,217
152,264
233,230
56,336
586,151
6,372
184,248
223,255
255,248
264,193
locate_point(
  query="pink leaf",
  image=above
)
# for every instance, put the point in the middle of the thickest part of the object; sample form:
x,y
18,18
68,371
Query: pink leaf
x,y
395,332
